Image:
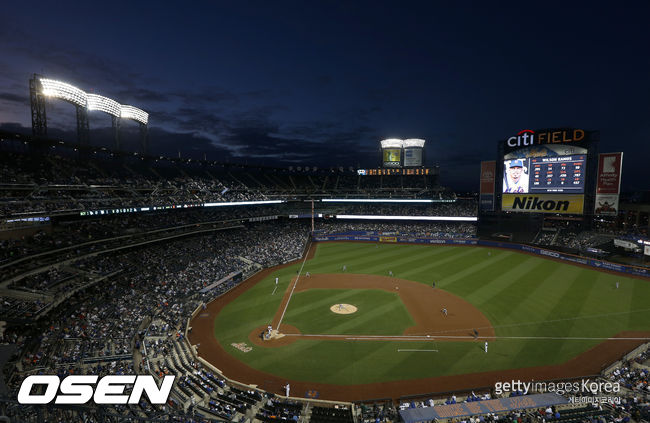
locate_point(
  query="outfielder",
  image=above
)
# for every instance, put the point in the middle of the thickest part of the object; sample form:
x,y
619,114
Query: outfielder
x,y
486,345
276,280
345,267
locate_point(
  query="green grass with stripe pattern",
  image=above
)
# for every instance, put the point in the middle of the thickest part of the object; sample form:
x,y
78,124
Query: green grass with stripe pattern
x,y
523,296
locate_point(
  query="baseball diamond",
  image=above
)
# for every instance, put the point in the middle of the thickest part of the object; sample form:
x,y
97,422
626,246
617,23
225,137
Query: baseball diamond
x,y
543,320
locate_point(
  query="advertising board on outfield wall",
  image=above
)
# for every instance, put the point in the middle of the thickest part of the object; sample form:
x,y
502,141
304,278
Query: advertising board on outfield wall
x,y
543,203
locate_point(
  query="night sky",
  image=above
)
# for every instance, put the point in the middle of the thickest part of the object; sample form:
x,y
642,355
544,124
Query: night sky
x,y
320,83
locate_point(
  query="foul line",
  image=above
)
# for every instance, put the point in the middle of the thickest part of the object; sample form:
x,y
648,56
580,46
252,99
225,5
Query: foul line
x,y
294,287
274,289
434,337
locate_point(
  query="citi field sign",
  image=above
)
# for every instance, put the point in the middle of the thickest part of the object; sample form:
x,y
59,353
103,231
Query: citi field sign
x,y
528,137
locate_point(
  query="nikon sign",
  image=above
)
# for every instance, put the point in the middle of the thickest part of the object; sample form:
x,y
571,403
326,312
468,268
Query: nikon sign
x,y
543,203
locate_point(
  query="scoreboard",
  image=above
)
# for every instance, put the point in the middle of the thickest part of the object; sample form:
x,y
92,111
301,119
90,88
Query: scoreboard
x,y
547,171
557,174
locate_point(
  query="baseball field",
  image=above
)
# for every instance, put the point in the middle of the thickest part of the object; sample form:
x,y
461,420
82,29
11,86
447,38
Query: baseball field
x,y
361,333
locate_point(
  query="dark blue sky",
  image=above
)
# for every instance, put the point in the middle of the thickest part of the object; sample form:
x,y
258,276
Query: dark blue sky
x,y
320,83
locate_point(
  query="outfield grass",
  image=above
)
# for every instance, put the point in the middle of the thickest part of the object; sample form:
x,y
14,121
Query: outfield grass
x,y
522,296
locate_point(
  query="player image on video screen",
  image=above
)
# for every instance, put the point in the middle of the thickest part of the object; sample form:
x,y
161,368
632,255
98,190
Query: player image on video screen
x,y
515,176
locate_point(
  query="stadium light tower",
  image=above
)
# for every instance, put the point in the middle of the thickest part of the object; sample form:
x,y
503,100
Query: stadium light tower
x,y
37,101
40,88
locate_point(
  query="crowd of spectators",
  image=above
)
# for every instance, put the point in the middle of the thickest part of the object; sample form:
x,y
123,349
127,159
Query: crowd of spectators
x,y
465,208
420,229
34,184
634,373
97,330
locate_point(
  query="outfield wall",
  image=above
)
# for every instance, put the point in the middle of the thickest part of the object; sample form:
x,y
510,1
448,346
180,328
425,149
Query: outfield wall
x,y
402,239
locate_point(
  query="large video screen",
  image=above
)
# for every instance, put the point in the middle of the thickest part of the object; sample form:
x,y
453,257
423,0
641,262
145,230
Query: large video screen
x,y
392,157
412,157
556,174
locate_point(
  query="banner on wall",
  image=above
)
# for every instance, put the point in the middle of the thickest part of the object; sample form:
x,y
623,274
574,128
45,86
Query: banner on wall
x,y
486,190
609,173
608,183
543,203
606,204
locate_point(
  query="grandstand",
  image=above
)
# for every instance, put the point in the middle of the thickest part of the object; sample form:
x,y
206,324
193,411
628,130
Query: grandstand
x,y
107,255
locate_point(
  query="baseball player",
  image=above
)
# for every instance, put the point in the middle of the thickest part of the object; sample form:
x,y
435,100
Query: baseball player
x,y
486,345
268,331
390,273
475,333
515,180
616,284
276,280
308,274
287,388
345,267
444,312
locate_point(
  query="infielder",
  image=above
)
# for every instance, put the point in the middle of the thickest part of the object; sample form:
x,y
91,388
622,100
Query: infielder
x,y
345,267
390,273
444,312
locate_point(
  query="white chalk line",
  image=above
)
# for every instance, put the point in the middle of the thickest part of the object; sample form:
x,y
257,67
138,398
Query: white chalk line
x,y
274,289
459,337
294,287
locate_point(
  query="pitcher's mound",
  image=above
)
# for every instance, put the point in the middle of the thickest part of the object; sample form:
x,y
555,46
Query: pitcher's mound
x,y
343,309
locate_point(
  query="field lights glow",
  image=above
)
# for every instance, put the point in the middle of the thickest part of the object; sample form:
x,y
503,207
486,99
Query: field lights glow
x,y
104,104
67,92
413,142
372,200
242,203
392,143
72,94
130,112
434,218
